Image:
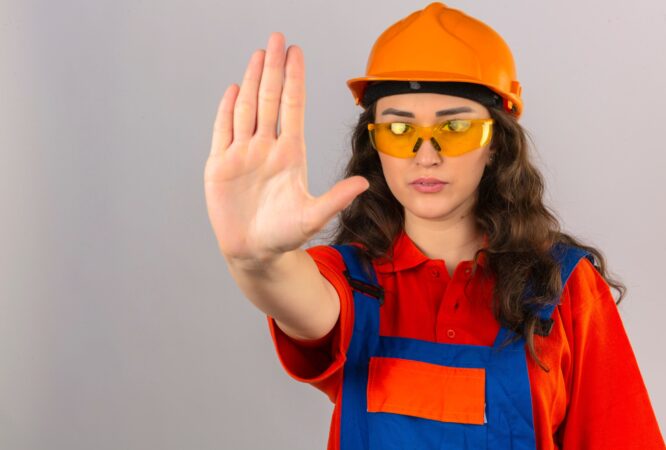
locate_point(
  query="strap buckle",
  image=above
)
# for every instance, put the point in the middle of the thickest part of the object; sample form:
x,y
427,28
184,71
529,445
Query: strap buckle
x,y
369,289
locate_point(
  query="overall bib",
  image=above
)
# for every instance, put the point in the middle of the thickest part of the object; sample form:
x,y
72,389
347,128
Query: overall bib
x,y
403,393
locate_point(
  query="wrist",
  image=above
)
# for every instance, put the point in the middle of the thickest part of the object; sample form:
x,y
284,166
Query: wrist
x,y
254,264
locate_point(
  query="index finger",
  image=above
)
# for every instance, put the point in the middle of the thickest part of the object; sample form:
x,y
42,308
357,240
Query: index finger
x,y
292,105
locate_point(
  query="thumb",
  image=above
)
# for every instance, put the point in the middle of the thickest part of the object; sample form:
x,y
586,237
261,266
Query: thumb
x,y
326,206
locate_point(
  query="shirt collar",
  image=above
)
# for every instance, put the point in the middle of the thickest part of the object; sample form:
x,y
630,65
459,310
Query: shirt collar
x,y
407,255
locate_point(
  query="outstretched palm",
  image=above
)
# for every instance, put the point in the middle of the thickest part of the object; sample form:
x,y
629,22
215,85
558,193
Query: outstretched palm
x,y
255,180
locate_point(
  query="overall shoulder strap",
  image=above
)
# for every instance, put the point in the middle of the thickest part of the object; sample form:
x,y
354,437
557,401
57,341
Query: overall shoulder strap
x,y
356,276
568,257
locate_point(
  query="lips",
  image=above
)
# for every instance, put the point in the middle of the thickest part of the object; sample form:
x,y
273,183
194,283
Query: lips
x,y
428,181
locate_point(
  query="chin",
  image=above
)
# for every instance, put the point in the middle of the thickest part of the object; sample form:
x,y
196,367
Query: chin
x,y
434,206
431,211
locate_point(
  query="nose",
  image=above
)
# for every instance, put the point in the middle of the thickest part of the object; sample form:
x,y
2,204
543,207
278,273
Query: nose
x,y
427,154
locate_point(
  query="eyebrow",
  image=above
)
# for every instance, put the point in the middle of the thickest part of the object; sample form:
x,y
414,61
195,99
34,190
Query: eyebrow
x,y
443,112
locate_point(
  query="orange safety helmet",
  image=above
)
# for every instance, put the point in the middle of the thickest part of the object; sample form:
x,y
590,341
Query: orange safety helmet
x,y
440,43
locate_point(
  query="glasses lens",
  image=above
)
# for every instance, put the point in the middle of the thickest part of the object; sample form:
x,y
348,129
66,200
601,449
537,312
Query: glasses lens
x,y
395,138
459,136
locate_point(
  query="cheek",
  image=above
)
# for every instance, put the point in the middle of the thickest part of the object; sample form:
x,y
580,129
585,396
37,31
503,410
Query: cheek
x,y
395,173
467,171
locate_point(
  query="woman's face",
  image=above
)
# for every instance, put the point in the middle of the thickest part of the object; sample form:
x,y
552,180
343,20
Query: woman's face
x,y
460,173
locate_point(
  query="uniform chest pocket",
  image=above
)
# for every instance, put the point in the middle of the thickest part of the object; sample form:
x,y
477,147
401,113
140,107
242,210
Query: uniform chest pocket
x,y
430,391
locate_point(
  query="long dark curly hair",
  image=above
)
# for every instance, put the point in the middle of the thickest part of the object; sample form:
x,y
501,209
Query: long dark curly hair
x,y
510,209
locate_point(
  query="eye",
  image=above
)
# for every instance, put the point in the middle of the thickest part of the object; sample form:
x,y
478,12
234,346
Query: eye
x,y
399,128
457,125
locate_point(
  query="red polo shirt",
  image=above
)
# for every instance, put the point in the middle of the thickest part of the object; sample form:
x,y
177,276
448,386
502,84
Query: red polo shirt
x,y
593,397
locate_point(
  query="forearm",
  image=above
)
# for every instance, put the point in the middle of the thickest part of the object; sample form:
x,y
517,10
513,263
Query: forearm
x,y
290,289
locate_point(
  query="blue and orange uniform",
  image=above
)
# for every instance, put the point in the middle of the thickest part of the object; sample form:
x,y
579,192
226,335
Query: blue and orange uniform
x,y
415,361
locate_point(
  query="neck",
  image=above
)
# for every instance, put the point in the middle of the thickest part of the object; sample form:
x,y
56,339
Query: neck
x,y
454,238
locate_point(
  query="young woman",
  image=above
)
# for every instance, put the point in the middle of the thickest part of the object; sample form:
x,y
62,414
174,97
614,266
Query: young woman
x,y
450,311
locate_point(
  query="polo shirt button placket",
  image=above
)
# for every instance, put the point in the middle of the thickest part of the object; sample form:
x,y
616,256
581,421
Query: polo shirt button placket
x,y
435,272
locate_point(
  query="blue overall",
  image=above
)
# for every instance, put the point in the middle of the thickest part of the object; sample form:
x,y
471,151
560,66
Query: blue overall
x,y
508,422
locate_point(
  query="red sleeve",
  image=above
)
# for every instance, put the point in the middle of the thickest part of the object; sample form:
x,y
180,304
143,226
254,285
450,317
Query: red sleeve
x,y
320,362
608,403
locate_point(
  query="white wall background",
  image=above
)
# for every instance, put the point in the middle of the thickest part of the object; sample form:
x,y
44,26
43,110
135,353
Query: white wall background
x,y
120,327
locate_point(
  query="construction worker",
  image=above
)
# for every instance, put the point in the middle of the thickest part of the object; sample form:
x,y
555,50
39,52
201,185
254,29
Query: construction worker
x,y
449,311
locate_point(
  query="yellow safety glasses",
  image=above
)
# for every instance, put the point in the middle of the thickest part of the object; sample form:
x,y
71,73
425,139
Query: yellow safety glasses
x,y
452,138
